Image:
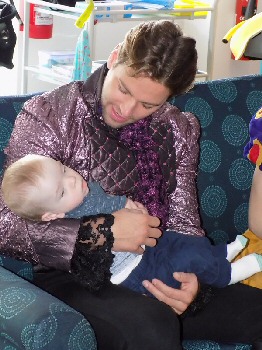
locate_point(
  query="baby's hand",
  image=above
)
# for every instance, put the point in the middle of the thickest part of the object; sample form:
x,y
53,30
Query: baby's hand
x,y
135,205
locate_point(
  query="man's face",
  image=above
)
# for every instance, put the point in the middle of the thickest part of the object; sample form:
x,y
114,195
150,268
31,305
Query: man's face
x,y
127,99
61,189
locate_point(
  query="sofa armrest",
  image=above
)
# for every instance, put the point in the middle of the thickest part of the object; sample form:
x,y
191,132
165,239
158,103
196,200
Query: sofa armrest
x,y
30,318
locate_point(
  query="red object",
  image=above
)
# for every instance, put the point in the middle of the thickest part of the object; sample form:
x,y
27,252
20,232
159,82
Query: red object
x,y
241,6
254,153
40,24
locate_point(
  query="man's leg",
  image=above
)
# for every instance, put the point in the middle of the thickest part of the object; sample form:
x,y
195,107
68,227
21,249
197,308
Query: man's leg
x,y
121,319
233,315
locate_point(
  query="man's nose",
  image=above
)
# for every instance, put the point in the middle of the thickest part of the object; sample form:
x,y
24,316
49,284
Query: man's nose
x,y
127,107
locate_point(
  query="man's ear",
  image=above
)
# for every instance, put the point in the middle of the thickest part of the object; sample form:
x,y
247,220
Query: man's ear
x,y
51,216
113,57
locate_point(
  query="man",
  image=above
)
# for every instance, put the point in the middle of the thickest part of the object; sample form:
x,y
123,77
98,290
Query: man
x,y
117,129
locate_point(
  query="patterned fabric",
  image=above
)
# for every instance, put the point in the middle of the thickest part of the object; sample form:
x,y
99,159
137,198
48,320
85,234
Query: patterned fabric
x,y
210,345
82,62
9,108
33,319
20,268
224,108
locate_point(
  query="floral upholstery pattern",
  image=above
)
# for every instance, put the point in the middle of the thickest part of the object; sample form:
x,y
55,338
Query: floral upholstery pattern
x,y
32,319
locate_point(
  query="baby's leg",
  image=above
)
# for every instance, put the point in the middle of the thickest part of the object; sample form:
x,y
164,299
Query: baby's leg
x,y
235,247
245,267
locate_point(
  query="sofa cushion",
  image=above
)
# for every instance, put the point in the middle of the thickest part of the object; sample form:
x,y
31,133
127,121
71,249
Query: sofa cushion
x,y
10,106
224,108
211,345
33,319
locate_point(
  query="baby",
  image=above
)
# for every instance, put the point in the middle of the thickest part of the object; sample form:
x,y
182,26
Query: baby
x,y
43,189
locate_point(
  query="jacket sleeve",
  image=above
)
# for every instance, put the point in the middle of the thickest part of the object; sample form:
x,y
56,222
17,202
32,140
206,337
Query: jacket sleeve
x,y
184,210
59,244
93,255
51,244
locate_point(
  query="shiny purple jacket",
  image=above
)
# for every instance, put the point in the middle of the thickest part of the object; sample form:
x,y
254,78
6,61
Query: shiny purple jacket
x,y
66,124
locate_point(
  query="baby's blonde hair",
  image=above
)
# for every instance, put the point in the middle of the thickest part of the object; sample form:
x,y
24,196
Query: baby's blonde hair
x,y
20,181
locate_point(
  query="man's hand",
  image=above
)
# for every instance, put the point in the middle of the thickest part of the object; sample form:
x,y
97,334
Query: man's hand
x,y
132,229
177,299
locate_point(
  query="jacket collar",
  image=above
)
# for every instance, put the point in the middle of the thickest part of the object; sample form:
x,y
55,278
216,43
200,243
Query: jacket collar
x,y
92,88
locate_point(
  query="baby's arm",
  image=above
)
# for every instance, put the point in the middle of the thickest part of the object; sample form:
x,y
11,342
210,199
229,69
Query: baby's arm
x,y
135,205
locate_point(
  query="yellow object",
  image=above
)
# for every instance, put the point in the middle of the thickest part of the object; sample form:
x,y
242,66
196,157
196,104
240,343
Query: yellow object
x,y
80,22
254,245
241,33
231,32
189,4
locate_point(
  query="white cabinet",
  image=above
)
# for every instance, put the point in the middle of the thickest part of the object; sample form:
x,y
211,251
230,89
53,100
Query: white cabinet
x,y
68,15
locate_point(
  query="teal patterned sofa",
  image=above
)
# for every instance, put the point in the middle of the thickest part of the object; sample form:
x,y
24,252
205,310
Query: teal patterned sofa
x,y
31,319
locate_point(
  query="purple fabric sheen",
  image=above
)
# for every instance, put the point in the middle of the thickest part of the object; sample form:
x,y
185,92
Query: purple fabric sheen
x,y
138,139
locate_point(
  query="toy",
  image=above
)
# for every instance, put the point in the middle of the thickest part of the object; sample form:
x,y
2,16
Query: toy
x,y
7,34
253,150
242,33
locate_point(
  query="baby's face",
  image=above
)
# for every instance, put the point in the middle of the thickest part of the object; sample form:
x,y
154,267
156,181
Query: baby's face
x,y
61,189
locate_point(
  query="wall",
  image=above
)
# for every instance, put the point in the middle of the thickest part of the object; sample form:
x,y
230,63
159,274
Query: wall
x,y
64,37
223,65
107,35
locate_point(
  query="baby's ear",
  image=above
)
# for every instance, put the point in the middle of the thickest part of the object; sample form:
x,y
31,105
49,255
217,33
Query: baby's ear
x,y
51,216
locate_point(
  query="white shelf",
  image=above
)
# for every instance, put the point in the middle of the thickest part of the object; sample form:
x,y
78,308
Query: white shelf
x,y
52,76
73,13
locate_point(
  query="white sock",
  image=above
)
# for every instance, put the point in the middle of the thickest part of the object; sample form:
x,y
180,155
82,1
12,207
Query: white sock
x,y
245,267
235,247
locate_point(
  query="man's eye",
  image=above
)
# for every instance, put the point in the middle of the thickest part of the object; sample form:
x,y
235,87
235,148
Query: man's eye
x,y
148,106
121,89
62,194
64,169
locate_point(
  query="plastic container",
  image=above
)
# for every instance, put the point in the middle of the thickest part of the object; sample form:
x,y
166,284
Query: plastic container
x,y
107,6
48,59
156,4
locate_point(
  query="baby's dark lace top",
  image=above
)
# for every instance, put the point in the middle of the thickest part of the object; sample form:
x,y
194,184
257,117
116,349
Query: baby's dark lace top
x,y
92,256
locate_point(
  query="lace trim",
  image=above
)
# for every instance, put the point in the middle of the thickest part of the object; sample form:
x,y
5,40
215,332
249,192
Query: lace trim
x,y
92,256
